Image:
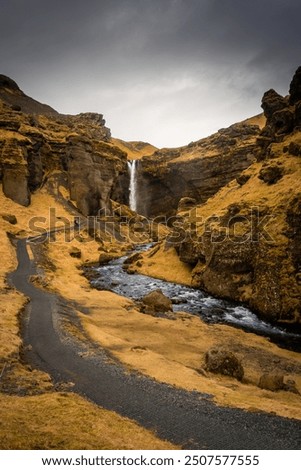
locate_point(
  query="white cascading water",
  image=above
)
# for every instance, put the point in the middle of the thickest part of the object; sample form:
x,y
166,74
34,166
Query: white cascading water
x,y
133,185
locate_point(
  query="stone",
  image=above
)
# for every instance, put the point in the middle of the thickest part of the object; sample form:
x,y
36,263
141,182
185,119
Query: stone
x,y
186,203
132,259
272,102
295,87
12,219
242,179
105,258
156,302
272,381
271,174
75,252
221,361
294,149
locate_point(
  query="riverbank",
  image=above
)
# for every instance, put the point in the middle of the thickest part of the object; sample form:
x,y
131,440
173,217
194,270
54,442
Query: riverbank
x,y
172,351
35,413
169,351
189,419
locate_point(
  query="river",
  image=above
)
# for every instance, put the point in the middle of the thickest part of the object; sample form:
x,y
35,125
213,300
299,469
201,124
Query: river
x,y
114,278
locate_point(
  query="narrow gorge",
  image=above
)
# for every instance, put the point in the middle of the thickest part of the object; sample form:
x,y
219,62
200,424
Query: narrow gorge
x,y
151,262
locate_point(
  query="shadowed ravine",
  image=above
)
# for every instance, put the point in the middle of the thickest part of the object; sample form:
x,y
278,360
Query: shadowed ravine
x,y
186,418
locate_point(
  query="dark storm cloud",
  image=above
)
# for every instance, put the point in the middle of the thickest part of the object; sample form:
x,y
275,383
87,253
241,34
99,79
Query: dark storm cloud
x,y
163,70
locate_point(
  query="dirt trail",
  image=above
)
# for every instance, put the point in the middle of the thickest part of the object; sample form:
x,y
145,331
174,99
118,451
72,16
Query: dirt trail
x,y
185,418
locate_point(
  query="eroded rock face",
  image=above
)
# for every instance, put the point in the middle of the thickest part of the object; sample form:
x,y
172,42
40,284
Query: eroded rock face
x,y
15,185
196,172
245,242
272,102
92,171
33,146
14,169
282,113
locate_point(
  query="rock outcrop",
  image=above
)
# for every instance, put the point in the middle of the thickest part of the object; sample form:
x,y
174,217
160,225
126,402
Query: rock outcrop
x,y
197,171
11,94
245,242
36,143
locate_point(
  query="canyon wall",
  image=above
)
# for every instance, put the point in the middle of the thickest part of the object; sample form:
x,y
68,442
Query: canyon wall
x,y
196,171
245,242
36,142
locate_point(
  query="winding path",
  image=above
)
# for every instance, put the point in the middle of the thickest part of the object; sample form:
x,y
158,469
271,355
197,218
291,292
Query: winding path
x,y
186,418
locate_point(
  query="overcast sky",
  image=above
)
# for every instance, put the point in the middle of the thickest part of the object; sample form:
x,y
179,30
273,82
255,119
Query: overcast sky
x,y
164,71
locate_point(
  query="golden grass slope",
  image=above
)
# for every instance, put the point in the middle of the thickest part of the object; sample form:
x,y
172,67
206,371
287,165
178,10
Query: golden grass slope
x,y
43,418
67,421
135,150
171,351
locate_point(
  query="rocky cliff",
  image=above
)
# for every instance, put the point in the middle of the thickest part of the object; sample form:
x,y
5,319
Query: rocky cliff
x,y
11,94
36,142
196,171
245,242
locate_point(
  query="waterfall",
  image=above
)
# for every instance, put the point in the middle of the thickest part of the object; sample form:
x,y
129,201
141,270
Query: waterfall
x,y
133,185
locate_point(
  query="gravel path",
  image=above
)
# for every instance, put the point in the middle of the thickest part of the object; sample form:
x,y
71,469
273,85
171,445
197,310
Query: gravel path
x,y
186,418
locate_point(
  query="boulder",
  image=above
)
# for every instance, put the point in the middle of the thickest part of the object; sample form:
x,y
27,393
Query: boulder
x,y
243,179
105,258
271,174
294,149
221,361
272,381
156,302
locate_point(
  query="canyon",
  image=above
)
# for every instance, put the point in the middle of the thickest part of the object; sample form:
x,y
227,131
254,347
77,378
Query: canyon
x,y
222,215
240,180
